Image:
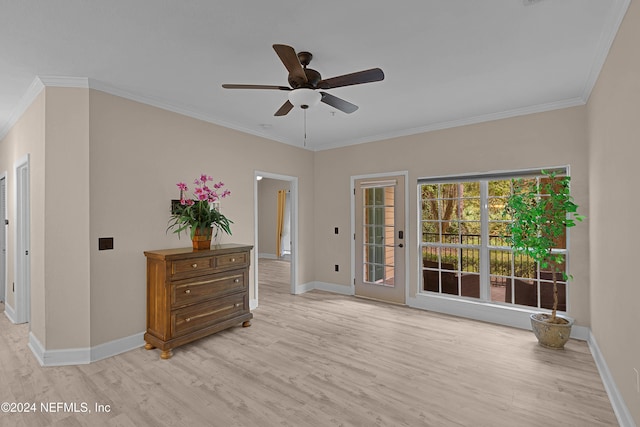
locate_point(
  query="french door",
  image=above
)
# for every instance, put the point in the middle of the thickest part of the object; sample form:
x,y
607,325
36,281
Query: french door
x,y
380,238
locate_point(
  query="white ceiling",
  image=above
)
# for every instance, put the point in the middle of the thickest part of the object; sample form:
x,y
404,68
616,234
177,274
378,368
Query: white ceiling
x,y
446,62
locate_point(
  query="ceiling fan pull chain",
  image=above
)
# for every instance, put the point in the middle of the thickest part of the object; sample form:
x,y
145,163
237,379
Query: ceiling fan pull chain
x,y
305,128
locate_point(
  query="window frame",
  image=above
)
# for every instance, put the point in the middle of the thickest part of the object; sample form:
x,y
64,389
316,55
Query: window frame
x,y
485,247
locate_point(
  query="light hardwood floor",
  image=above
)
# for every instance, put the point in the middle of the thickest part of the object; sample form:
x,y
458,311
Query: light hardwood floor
x,y
320,359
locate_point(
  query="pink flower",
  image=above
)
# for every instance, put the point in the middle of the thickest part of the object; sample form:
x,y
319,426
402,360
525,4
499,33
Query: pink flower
x,y
182,186
218,185
190,202
226,193
183,202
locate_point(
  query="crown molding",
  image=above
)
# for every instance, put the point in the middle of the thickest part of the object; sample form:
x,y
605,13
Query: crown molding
x,y
27,99
176,108
37,85
64,81
612,25
540,108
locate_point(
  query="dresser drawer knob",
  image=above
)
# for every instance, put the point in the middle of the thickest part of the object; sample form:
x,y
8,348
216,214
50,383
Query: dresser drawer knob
x,y
233,260
194,265
188,291
236,281
238,304
188,319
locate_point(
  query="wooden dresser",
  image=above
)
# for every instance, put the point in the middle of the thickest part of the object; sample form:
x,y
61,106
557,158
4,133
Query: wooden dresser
x,y
195,293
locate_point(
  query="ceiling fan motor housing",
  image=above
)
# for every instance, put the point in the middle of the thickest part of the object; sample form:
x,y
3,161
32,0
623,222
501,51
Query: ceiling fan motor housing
x,y
313,78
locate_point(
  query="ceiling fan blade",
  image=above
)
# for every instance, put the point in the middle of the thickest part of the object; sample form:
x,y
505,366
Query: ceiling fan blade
x,y
366,76
286,107
291,62
234,86
339,103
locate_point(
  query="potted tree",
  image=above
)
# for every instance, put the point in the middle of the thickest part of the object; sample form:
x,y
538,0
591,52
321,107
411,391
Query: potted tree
x,y
541,211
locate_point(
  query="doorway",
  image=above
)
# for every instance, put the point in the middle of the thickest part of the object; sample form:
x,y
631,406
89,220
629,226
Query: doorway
x,y
276,219
22,240
380,238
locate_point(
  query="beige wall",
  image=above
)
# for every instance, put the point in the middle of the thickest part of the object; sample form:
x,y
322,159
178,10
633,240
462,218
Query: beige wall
x,y
138,154
614,119
66,221
539,140
268,213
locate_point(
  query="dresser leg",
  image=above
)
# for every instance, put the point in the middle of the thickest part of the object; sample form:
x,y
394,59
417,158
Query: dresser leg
x,y
246,323
148,346
166,354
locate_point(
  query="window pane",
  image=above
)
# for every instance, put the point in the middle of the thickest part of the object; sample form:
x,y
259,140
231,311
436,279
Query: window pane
x,y
524,266
430,232
496,208
526,292
449,258
500,188
470,209
470,233
448,209
497,232
449,191
500,262
500,289
471,189
470,260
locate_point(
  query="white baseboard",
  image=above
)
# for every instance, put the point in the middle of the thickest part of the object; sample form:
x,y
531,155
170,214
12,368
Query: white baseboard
x,y
82,356
10,313
305,287
617,402
331,287
121,345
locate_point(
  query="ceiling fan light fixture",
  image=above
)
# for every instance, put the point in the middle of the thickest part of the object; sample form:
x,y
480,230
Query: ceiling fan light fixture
x,y
304,97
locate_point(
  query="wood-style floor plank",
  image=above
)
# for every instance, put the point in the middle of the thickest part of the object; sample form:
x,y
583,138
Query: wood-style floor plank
x,y
320,359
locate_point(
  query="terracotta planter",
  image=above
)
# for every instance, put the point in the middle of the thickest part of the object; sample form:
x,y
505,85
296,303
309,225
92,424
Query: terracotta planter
x,y
551,335
202,239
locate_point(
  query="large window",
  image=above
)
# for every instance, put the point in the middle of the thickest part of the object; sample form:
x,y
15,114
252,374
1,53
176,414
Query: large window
x,y
464,252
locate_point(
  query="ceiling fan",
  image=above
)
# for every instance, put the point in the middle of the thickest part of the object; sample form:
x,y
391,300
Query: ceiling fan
x,y
305,82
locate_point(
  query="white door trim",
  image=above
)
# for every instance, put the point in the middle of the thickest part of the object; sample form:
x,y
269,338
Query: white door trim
x,y
22,271
293,187
407,233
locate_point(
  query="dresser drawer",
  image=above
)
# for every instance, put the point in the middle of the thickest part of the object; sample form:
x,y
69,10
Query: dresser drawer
x,y
207,287
232,260
200,316
192,267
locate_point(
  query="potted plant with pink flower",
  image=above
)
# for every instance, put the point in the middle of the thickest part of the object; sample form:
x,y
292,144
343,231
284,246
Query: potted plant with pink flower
x,y
200,213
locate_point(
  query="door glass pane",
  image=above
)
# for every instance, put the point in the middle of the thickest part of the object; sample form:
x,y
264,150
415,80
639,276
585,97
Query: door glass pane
x,y
379,235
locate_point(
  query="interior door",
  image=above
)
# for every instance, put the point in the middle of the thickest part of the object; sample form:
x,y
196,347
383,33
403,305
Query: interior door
x,y
380,238
3,237
23,268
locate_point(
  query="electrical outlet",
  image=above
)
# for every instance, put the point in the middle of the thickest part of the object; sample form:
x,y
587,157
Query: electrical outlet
x,y
337,267
637,380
